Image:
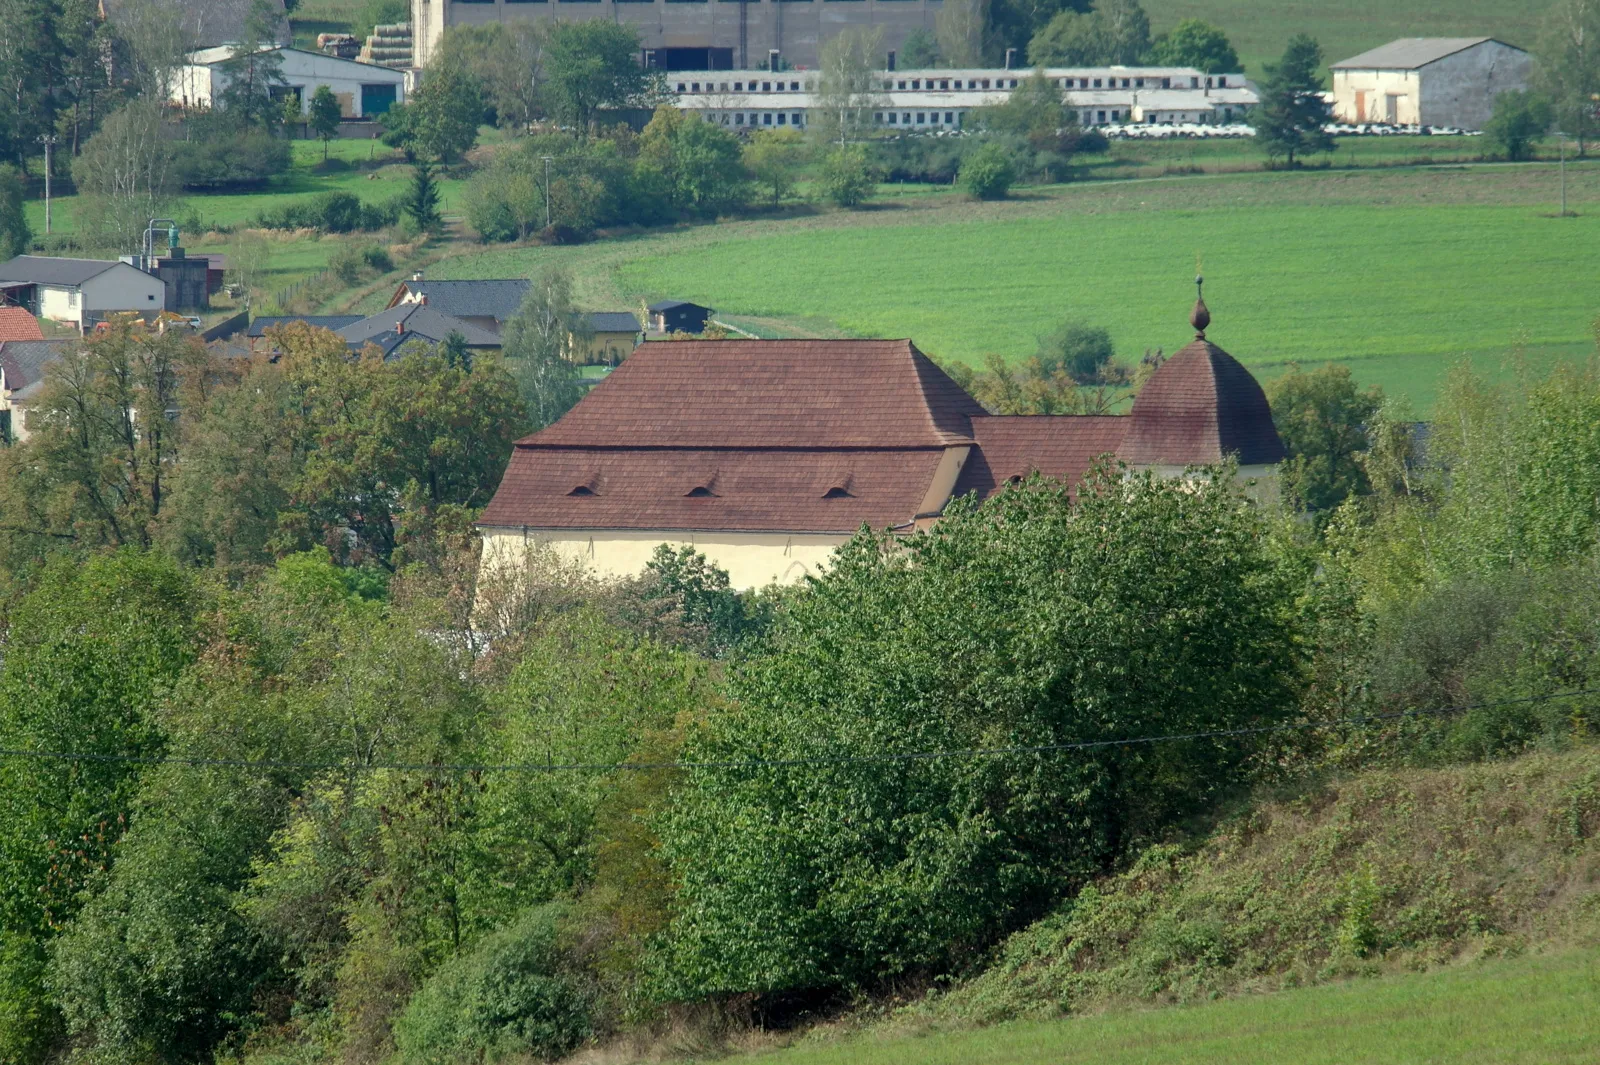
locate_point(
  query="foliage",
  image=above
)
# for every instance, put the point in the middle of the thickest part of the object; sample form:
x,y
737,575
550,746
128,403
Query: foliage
x,y
1115,32
847,178
1291,114
774,158
1322,419
508,996
508,60
1519,122
15,236
920,50
1277,895
1083,352
962,29
331,212
1038,385
541,343
1027,621
1013,23
848,88
1567,72
445,113
592,183
421,204
987,173
690,603
1196,43
221,158
698,165
324,116
125,173
590,65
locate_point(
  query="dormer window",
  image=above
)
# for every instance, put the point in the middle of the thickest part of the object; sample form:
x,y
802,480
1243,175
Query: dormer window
x,y
837,492
581,490
701,492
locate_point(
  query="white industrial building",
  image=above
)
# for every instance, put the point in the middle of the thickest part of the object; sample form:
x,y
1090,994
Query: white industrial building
x,y
942,99
80,292
362,89
1428,81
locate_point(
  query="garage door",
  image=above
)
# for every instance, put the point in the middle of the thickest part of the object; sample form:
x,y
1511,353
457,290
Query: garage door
x,y
376,99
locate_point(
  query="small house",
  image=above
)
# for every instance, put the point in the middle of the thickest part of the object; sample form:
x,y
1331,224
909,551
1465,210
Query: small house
x,y
612,337
362,89
1428,81
22,370
487,304
80,292
396,330
678,316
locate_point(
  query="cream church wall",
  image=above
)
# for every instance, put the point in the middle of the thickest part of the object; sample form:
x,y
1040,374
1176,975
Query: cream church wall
x,y
752,560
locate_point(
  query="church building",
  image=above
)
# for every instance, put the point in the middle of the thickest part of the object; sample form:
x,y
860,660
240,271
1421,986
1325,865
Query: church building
x,y
765,455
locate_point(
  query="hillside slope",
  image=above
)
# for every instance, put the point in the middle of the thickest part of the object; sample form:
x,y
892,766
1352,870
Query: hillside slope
x,y
1389,869
1260,28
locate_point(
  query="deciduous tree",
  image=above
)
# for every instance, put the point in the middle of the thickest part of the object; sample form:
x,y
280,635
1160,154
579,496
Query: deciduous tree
x,y
1568,71
324,116
1196,43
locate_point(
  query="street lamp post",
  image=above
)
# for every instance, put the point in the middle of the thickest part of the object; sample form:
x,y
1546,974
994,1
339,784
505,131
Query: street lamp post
x,y
49,142
547,191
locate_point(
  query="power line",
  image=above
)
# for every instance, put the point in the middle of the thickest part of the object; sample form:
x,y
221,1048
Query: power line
x,y
758,763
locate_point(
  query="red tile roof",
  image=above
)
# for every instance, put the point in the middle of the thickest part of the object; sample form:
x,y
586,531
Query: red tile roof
x,y
17,324
738,490
770,394
1060,446
1201,407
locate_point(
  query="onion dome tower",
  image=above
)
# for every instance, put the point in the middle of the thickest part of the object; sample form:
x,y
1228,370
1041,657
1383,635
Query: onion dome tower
x,y
1201,407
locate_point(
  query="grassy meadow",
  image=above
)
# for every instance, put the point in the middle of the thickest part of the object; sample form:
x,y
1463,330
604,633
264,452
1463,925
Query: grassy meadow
x,y
1260,29
1525,1011
1398,272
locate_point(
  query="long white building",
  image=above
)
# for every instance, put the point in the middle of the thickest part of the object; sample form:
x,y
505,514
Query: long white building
x,y
942,99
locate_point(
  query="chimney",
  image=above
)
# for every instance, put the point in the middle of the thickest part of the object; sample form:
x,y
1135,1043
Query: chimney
x,y
890,67
1011,58
400,329
417,276
422,300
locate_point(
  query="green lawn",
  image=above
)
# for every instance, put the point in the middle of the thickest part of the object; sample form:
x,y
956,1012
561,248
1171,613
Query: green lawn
x,y
1397,272
1528,1011
1260,28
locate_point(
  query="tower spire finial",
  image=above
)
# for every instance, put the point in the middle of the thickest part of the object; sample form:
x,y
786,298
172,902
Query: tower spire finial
x,y
1200,317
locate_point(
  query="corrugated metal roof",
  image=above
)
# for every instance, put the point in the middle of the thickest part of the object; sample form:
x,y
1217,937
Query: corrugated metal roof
x,y
1410,53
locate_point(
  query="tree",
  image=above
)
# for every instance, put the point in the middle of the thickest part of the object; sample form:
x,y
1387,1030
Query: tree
x,y
1519,122
324,117
508,59
15,235
254,74
1568,70
422,198
125,176
847,177
1082,351
700,164
1033,386
848,89
1027,621
445,113
961,28
1322,419
774,158
987,173
1289,120
920,50
1196,43
541,343
91,653
1115,32
590,65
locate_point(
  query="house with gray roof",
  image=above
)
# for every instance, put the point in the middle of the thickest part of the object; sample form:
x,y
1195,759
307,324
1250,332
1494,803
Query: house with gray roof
x,y
22,372
80,292
394,330
1428,81
488,304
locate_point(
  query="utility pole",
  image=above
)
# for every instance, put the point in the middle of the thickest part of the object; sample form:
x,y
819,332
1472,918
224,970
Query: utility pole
x,y
547,192
1563,168
49,142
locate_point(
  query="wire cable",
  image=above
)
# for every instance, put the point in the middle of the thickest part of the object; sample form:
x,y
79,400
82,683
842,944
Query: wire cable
x,y
758,763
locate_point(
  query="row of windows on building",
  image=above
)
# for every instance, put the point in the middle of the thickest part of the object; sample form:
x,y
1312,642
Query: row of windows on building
x,y
951,119
952,84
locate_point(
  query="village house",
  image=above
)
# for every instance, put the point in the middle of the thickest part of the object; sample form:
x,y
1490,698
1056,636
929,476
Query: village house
x,y
1429,81
612,337
363,90
487,304
766,455
22,374
80,292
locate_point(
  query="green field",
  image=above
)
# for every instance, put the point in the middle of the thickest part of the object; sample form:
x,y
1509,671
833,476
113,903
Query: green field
x,y
1260,29
1397,272
1527,1011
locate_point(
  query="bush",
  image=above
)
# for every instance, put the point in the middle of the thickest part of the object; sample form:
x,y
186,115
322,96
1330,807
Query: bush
x,y
244,159
331,212
1520,119
1091,142
1080,351
514,994
377,257
987,174
847,177
929,160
